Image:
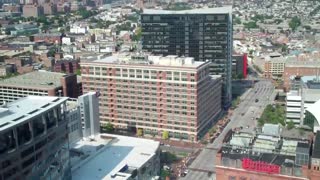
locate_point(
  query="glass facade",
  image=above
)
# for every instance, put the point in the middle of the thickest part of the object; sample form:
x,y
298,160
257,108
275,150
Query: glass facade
x,y
201,36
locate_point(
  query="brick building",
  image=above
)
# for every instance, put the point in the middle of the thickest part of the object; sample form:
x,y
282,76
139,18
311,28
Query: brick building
x,y
66,66
32,10
155,94
48,38
239,65
299,68
261,158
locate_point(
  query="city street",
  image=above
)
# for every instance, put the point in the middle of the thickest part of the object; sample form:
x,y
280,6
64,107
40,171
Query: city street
x,y
251,106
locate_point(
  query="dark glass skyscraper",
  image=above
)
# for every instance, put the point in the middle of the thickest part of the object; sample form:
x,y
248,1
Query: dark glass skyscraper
x,y
205,34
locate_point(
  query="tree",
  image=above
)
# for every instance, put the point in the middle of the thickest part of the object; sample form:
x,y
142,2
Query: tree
x,y
108,127
290,125
140,132
165,135
294,23
51,52
237,20
251,25
78,72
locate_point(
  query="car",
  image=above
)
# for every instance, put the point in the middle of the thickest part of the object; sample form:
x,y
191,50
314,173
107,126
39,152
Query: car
x,y
186,171
257,100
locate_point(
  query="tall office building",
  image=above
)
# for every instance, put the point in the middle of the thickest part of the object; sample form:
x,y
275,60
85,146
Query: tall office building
x,y
34,139
155,94
204,34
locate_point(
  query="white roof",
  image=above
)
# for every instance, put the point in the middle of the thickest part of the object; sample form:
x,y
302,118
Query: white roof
x,y
25,108
103,162
217,10
315,110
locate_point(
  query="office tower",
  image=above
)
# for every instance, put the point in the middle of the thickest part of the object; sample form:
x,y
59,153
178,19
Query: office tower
x,y
34,139
204,34
154,94
89,111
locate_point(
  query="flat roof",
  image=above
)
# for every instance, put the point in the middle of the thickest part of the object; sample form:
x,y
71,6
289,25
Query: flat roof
x,y
217,10
25,108
102,158
36,79
170,61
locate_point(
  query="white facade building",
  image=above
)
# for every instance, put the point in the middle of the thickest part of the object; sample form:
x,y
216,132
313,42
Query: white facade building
x,y
89,111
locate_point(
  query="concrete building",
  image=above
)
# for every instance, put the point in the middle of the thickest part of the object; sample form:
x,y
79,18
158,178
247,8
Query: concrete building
x,y
32,10
274,67
74,120
127,158
40,83
34,139
204,34
155,94
89,112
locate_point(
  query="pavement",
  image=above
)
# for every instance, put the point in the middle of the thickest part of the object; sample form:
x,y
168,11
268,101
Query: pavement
x,y
203,167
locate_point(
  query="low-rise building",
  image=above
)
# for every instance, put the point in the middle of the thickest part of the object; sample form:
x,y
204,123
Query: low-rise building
x,y
115,157
48,38
264,156
40,83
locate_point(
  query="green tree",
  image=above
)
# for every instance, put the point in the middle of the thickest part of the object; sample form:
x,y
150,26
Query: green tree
x,y
137,35
294,23
251,25
290,125
51,52
140,132
78,72
108,127
165,135
237,20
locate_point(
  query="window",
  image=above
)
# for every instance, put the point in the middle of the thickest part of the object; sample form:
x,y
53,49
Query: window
x,y
232,178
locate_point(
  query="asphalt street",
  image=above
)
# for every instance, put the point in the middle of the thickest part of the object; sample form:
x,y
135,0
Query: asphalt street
x,y
251,106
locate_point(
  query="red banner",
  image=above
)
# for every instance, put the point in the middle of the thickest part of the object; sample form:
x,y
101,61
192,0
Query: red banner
x,y
260,166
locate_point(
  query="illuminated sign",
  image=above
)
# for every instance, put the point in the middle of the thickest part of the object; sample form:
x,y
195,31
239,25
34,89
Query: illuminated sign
x,y
260,166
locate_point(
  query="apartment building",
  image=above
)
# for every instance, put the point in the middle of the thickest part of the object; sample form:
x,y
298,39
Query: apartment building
x,y
32,10
204,34
34,139
39,83
155,94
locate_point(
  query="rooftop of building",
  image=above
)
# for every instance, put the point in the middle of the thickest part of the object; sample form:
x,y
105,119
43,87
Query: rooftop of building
x,y
35,79
25,108
110,155
143,59
48,34
217,10
307,64
295,133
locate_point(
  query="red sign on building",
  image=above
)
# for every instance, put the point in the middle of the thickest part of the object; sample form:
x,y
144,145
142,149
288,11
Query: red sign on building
x,y
260,166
